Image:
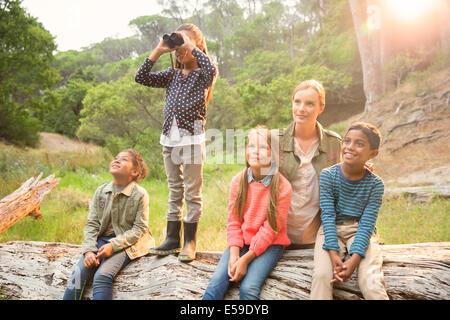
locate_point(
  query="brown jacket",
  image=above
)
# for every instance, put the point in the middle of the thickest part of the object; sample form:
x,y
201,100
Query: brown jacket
x,y
128,212
327,154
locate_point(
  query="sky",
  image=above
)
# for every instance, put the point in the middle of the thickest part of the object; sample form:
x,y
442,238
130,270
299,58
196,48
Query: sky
x,y
79,23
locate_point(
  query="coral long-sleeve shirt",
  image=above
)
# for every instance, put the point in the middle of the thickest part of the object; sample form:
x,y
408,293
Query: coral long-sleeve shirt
x,y
255,229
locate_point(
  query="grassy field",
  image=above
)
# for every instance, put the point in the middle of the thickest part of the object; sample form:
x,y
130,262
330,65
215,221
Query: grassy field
x,y
65,209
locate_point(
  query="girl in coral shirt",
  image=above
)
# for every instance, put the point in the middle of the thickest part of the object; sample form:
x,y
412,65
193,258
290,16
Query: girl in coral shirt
x,y
256,232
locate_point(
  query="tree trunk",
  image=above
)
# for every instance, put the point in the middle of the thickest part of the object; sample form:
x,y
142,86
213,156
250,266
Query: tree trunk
x,y
25,201
38,270
445,26
369,50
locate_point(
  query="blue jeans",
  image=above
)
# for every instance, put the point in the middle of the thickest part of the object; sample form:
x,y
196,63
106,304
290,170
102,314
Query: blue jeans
x,y
257,272
103,275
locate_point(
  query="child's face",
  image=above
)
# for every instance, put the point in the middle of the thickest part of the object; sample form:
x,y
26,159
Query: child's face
x,y
258,153
122,166
306,106
356,148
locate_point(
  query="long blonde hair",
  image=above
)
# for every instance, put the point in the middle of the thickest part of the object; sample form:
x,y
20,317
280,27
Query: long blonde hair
x,y
200,41
241,197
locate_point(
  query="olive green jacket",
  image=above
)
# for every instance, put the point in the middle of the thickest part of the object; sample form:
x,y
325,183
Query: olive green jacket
x,y
128,213
327,154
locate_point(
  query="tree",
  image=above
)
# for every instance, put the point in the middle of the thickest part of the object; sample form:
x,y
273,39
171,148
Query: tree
x,y
369,50
122,114
270,104
64,117
70,61
399,66
26,55
112,50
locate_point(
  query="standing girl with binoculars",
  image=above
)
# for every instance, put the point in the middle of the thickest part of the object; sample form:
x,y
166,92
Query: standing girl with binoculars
x,y
189,86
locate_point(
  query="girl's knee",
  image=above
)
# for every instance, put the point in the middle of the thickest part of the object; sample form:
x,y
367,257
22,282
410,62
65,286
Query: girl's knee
x,y
249,291
102,277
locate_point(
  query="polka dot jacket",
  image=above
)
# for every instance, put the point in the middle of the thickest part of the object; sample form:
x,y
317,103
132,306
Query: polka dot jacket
x,y
185,95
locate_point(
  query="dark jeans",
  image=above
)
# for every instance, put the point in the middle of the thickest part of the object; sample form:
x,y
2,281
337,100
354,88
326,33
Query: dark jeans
x,y
257,272
103,275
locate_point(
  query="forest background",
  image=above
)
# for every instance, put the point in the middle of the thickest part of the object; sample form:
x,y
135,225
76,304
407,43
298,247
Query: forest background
x,y
262,48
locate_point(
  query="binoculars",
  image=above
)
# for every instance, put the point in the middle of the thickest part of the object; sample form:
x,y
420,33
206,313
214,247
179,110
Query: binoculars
x,y
173,40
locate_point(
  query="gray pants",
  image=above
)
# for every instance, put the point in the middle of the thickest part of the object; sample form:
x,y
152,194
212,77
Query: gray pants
x,y
184,171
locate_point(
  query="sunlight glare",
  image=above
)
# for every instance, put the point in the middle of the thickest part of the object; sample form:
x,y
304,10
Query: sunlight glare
x,y
409,10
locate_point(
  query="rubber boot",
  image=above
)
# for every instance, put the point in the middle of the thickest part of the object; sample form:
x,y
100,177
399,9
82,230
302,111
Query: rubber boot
x,y
190,242
172,244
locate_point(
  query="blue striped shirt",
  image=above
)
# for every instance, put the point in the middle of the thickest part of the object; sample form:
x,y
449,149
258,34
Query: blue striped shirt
x,y
342,199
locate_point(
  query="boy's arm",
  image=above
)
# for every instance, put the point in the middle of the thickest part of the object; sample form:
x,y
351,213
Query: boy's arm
x,y
368,220
147,78
92,227
328,214
130,237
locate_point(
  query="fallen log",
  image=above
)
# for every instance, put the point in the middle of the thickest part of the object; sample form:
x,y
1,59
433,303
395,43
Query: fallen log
x,y
39,270
26,200
423,193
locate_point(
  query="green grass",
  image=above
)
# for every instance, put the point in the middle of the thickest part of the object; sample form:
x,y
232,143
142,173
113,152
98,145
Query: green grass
x,y
3,295
401,220
65,209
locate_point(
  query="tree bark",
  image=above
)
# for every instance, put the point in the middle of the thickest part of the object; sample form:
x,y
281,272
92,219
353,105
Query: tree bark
x,y
422,194
25,201
369,50
38,270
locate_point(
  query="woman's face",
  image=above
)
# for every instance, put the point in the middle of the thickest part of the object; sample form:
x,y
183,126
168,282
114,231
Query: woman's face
x,y
258,153
306,106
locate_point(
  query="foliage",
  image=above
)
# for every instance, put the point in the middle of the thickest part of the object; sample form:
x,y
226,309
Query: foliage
x,y
225,109
122,114
400,65
270,104
26,54
151,28
68,62
67,103
262,48
438,59
262,65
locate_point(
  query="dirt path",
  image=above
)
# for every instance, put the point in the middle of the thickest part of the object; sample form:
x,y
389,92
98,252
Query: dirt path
x,y
54,142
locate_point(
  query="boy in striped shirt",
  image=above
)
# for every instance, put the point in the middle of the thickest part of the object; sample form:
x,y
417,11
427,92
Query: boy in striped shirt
x,y
350,197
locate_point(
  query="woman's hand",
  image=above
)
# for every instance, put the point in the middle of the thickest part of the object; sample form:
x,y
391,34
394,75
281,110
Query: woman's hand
x,y
105,251
90,260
